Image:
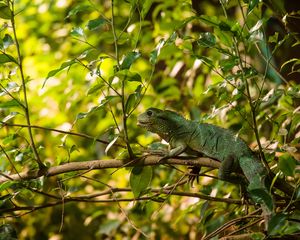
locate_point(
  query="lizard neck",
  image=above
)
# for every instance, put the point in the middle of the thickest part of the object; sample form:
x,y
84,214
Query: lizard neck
x,y
176,132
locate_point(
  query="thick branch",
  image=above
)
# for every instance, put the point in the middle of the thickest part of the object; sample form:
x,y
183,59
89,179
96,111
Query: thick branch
x,y
102,164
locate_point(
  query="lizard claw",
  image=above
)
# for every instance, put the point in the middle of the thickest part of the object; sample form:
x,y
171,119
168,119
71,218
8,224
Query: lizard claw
x,y
194,175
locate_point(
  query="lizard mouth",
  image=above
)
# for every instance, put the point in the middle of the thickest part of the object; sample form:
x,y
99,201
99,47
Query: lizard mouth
x,y
143,123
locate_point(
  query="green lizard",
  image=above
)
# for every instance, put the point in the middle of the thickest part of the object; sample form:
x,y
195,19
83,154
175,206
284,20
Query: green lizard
x,y
215,142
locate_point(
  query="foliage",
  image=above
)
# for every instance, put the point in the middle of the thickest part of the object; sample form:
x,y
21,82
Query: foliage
x,y
74,76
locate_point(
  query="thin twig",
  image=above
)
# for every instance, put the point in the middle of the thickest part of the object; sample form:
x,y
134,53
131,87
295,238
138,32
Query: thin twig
x,y
60,131
26,107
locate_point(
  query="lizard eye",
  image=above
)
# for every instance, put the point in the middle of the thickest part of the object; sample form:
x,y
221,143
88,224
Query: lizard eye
x,y
149,113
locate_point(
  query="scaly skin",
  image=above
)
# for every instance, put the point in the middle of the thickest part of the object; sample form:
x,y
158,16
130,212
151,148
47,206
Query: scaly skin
x,y
218,143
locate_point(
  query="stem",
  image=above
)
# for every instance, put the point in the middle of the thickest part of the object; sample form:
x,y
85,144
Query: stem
x,y
124,120
252,107
114,33
26,107
61,131
131,155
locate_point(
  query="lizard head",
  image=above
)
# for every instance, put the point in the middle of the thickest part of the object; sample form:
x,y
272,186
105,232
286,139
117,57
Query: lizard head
x,y
162,122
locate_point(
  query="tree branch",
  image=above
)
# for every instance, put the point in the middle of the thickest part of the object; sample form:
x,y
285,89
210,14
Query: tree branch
x,y
103,164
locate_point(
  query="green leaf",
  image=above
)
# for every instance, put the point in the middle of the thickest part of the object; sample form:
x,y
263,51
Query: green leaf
x,y
73,148
129,59
252,5
5,58
207,61
130,103
19,157
277,224
6,185
140,179
77,9
11,87
52,73
260,196
9,104
227,64
206,39
95,23
108,226
224,26
289,61
10,138
256,27
81,115
210,20
146,6
7,41
258,236
111,144
5,11
10,116
77,32
287,164
95,88
155,53
129,76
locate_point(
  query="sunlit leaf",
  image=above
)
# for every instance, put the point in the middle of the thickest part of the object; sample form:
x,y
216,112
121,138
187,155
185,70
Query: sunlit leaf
x,y
155,53
140,179
19,157
257,26
77,32
10,116
289,61
10,88
206,60
111,144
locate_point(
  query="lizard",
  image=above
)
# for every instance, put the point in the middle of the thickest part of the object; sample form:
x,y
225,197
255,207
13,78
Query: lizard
x,y
217,143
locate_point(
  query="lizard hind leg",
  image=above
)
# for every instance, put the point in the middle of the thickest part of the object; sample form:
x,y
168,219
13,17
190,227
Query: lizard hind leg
x,y
228,171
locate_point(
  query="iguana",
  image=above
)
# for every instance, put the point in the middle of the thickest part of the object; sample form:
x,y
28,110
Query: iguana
x,y
215,142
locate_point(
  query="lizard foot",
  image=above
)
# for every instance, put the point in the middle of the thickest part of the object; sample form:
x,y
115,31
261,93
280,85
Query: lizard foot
x,y
162,159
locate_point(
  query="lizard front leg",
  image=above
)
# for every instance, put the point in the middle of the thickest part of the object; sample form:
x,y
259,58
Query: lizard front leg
x,y
180,148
